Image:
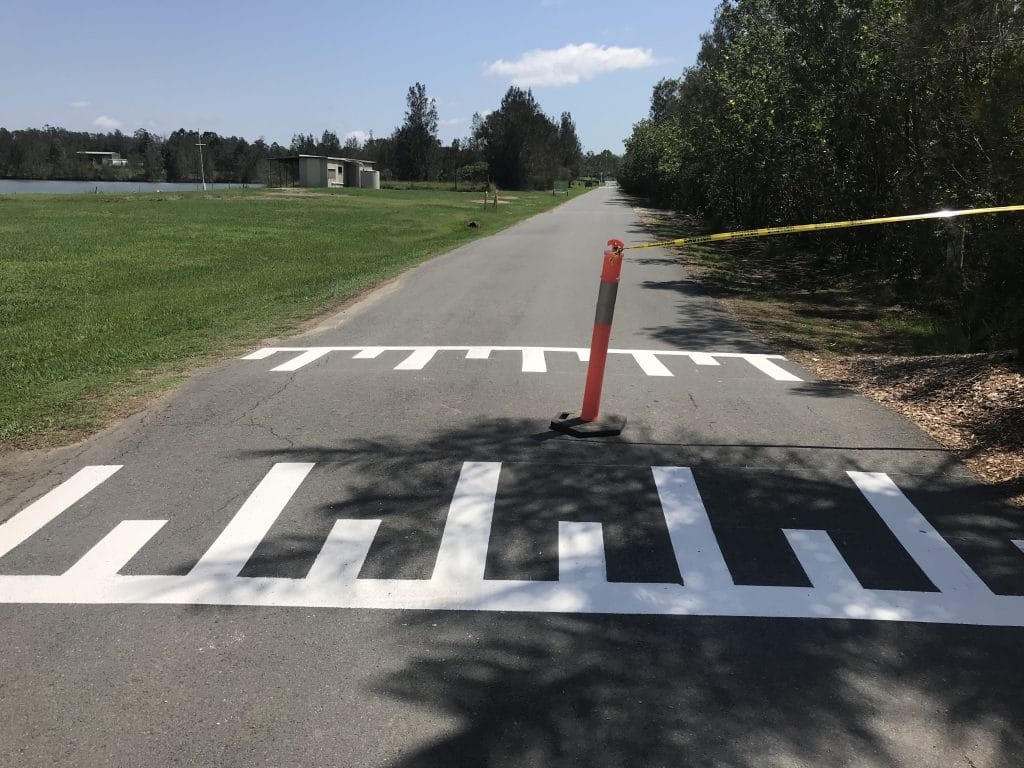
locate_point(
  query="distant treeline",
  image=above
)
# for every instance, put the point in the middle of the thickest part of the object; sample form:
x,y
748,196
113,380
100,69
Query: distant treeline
x,y
51,153
801,111
516,146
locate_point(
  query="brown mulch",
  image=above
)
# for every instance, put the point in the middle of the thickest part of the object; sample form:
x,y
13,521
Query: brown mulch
x,y
971,404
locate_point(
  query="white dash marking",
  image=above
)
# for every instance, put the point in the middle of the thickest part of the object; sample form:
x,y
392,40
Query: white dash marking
x,y
533,360
261,354
115,549
581,553
463,552
703,358
693,539
417,360
1019,543
40,512
236,543
765,365
368,353
821,561
933,554
478,353
342,555
650,364
300,361
583,355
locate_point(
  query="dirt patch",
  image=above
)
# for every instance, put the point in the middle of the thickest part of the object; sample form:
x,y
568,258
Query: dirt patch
x,y
287,193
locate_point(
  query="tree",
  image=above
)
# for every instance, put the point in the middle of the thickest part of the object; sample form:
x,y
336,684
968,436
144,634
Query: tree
x,y
416,140
570,151
329,144
805,111
519,142
149,151
303,144
665,99
352,147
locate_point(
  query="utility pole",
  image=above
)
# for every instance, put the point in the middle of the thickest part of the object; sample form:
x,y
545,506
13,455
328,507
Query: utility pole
x,y
202,170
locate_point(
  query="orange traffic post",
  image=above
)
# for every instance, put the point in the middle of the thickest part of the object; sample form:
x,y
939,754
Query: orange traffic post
x,y
587,423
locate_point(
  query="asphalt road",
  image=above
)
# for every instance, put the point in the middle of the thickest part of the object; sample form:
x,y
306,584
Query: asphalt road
x,y
379,555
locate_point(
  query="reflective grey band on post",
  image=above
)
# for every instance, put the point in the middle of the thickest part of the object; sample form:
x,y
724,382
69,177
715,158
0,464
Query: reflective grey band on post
x,y
606,303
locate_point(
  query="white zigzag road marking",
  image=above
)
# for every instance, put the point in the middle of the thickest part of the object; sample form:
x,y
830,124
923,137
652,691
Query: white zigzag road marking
x,y
533,358
457,582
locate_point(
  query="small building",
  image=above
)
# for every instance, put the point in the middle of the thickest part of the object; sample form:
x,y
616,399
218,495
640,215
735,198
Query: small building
x,y
324,171
97,159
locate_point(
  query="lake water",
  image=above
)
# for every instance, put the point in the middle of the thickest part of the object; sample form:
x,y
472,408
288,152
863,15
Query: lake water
x,y
23,187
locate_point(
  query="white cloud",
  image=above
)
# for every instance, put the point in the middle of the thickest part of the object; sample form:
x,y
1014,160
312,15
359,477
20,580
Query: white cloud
x,y
570,64
360,136
453,121
80,104
110,123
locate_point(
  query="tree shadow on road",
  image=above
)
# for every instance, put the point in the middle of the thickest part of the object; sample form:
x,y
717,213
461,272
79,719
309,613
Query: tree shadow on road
x,y
598,690
658,691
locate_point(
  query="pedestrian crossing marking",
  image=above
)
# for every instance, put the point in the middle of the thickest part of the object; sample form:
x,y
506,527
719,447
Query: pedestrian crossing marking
x,y
534,359
581,553
230,552
39,513
462,556
700,559
940,563
458,582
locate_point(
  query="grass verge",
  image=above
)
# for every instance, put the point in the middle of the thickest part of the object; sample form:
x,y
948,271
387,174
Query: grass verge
x,y
108,300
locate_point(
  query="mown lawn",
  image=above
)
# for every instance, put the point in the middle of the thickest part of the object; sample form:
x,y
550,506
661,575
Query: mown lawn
x,y
108,298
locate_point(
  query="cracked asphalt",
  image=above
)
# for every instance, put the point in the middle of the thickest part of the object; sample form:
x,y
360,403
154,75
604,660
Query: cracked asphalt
x,y
222,683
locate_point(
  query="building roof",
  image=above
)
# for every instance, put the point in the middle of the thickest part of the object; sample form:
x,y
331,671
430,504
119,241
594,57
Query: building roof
x,y
326,157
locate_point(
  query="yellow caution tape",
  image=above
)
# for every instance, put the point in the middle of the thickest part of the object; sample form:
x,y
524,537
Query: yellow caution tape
x,y
792,229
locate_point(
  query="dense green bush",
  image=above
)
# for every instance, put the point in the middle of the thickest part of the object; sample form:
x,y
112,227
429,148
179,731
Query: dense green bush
x,y
804,110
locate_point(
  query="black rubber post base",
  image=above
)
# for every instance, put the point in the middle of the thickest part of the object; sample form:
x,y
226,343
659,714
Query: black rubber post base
x,y
571,424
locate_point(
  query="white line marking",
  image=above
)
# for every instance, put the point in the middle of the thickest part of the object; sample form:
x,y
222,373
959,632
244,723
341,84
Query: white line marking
x,y
581,553
236,543
650,364
342,555
40,512
821,560
703,358
463,552
458,582
115,549
932,553
1019,543
700,559
648,359
369,353
260,354
762,363
533,360
836,588
418,359
303,360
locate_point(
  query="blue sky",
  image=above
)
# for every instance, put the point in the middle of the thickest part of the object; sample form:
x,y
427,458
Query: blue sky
x,y
274,69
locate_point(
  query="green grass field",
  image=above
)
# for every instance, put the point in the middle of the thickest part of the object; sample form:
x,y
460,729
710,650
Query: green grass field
x,y
107,299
